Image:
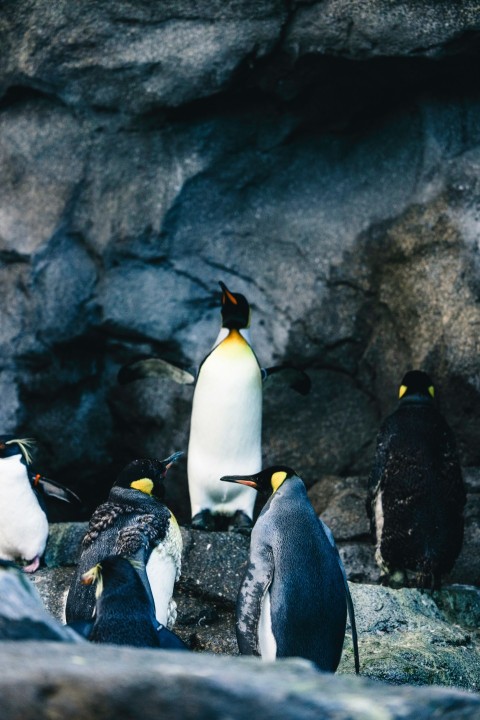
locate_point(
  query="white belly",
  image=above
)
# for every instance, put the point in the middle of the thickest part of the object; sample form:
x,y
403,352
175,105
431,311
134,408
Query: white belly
x,y
379,520
23,524
266,641
226,428
163,568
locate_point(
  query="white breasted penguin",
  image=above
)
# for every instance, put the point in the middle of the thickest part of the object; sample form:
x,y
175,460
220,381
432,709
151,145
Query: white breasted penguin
x,y
226,422
292,600
23,522
416,493
133,511
124,606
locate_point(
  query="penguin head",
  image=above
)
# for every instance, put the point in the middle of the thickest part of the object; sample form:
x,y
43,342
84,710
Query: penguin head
x,y
266,481
147,475
416,382
113,570
235,309
10,446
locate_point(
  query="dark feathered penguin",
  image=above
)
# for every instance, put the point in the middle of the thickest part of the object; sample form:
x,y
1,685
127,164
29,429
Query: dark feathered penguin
x,y
118,527
416,493
124,610
292,600
22,614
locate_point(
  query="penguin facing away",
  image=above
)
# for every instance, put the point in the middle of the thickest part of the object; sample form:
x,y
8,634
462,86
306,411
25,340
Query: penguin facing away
x,y
119,526
292,601
416,493
23,522
124,609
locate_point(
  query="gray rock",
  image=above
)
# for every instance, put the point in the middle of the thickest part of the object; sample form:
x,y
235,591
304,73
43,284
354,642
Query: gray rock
x,y
405,636
93,682
23,615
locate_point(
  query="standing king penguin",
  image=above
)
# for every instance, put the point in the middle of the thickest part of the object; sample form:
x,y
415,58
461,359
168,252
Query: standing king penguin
x,y
292,601
226,422
416,494
23,522
119,526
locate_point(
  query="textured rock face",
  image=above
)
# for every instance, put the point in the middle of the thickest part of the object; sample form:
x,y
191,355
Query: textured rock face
x,y
105,682
322,158
405,636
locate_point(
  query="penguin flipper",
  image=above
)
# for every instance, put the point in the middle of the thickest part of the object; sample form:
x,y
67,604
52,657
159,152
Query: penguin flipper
x,y
258,578
289,375
54,489
154,367
348,597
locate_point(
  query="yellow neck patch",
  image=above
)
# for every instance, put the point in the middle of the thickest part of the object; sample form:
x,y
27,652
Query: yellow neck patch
x,y
402,391
145,485
277,479
431,390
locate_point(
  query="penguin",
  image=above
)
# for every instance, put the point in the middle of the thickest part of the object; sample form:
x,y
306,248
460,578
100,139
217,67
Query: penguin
x,y
416,494
292,600
118,527
22,613
124,609
226,418
226,422
23,522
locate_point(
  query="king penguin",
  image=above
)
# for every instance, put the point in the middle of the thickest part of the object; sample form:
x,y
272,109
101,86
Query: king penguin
x,y
119,526
23,522
124,607
292,600
416,493
226,422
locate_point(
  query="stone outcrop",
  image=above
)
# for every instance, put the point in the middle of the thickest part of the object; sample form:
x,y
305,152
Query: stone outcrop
x,y
107,683
405,636
320,157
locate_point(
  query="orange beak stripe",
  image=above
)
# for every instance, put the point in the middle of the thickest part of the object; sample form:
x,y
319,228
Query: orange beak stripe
x,y
231,297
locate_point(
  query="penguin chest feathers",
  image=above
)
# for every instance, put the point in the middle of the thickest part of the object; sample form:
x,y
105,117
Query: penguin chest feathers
x,y
227,405
23,524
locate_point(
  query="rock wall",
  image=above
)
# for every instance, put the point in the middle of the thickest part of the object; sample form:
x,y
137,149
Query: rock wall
x,y
320,157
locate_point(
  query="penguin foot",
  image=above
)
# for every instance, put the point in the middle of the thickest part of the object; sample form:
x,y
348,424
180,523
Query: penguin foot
x,y
203,520
240,523
34,565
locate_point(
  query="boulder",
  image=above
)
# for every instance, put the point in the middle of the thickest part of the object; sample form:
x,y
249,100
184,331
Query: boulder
x,y
405,636
40,681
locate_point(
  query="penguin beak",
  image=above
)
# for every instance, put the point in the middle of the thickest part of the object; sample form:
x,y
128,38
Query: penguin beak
x,y
89,577
240,480
227,294
169,461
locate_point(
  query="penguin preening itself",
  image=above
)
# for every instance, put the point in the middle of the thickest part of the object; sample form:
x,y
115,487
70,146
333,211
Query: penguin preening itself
x,y
124,608
226,420
294,596
416,493
133,511
22,613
